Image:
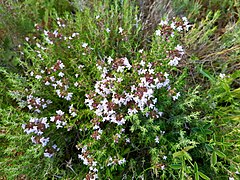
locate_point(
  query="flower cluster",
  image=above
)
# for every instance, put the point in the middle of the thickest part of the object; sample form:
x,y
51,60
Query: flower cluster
x,y
55,78
36,103
36,126
51,36
89,161
111,104
115,161
49,152
167,28
175,55
58,119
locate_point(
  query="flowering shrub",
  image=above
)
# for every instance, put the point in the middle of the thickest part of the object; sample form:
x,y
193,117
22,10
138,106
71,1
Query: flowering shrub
x,y
127,102
95,99
104,103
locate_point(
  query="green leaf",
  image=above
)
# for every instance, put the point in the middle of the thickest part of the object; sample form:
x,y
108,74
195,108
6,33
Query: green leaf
x,y
178,154
206,74
196,176
207,131
187,155
220,154
195,167
203,176
213,158
126,151
209,148
188,148
176,166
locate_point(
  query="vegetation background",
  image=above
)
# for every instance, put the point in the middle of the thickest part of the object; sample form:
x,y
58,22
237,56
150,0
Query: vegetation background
x,y
207,119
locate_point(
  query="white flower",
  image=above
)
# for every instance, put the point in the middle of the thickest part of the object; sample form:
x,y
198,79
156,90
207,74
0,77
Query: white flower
x,y
174,62
76,84
222,75
49,101
44,106
179,28
179,48
75,34
97,17
96,127
44,141
73,114
151,71
173,25
120,69
108,30
142,63
231,178
49,155
38,77
61,65
157,139
164,157
158,32
61,74
69,96
162,23
122,161
54,146
176,96
119,80
23,126
84,45
30,107
52,78
60,112
80,66
109,60
120,30
184,19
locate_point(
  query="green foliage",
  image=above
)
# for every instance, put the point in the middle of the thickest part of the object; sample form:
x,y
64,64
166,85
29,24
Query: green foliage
x,y
198,9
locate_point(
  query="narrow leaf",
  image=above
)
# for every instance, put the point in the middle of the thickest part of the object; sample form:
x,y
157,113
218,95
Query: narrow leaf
x,y
195,167
213,158
187,155
188,148
203,176
206,74
196,176
178,154
176,166
220,154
